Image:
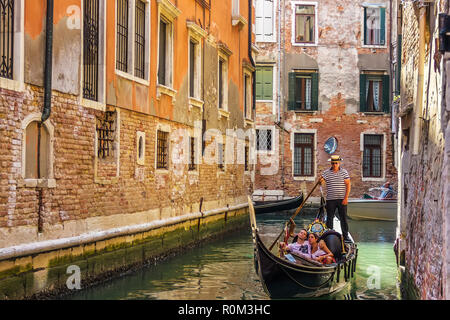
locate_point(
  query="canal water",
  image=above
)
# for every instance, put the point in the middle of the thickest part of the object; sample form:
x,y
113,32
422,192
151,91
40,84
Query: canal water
x,y
223,269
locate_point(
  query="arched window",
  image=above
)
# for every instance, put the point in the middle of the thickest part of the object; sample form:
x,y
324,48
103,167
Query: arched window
x,y
36,151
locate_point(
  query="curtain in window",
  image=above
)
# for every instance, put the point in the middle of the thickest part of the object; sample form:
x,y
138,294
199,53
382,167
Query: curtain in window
x,y
373,26
308,94
376,95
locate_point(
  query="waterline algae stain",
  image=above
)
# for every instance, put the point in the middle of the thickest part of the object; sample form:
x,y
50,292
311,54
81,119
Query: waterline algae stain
x,y
224,270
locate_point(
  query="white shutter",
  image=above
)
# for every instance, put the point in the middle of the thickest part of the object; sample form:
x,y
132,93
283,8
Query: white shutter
x,y
268,20
259,20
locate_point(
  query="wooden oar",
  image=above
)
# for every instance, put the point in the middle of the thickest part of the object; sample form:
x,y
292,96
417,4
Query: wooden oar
x,y
296,212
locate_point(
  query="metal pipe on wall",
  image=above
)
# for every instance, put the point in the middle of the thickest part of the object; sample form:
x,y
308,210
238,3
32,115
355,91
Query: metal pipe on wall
x,y
48,61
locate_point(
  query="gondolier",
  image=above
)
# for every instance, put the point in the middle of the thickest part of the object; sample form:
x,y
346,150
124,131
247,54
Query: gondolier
x,y
338,185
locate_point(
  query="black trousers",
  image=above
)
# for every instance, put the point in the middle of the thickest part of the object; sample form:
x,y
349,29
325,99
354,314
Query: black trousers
x,y
342,215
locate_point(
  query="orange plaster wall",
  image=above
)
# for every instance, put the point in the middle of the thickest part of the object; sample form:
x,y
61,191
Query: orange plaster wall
x,y
35,11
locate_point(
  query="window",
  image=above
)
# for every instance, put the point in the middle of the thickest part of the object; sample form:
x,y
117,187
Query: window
x,y
221,82
36,162
264,80
246,155
162,160
221,156
139,50
140,147
192,158
303,91
162,68
106,128
7,38
247,96
303,154
91,43
264,21
305,24
122,35
132,38
374,26
374,93
263,139
196,34
372,156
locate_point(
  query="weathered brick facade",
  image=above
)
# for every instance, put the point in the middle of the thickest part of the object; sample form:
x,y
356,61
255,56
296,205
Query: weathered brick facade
x,y
339,56
422,143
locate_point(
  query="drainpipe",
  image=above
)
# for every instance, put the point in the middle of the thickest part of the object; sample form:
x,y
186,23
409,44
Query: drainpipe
x,y
48,62
250,56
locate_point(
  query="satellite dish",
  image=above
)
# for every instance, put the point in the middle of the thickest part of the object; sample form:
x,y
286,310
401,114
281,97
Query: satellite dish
x,y
331,145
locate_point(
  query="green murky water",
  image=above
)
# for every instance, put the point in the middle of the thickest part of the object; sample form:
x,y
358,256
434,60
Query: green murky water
x,y
224,268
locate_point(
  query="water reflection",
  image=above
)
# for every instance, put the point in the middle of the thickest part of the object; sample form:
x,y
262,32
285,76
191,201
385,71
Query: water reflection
x,y
224,269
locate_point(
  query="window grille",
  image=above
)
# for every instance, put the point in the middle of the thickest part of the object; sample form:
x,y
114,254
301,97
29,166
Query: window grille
x,y
106,128
162,161
220,156
192,165
140,40
246,154
263,139
6,38
303,154
192,62
372,156
90,49
122,36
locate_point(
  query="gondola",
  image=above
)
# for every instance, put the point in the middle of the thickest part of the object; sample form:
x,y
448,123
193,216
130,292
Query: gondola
x,y
291,276
277,206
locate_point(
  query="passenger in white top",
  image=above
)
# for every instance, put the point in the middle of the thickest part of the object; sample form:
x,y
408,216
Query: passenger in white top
x,y
319,250
301,247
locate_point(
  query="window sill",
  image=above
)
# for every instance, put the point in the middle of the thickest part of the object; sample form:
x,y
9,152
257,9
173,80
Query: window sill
x,y
103,181
13,85
194,102
91,104
249,122
37,183
265,101
374,113
374,46
304,111
132,77
297,44
301,178
223,113
193,172
161,89
381,179
265,152
239,21
162,171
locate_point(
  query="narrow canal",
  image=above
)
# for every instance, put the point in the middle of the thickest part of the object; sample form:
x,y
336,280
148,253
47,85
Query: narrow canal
x,y
223,269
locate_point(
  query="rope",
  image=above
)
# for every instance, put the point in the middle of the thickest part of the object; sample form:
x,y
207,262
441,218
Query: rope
x,y
305,286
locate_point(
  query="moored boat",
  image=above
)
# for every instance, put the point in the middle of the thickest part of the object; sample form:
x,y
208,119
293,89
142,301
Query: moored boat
x,y
278,205
292,276
378,204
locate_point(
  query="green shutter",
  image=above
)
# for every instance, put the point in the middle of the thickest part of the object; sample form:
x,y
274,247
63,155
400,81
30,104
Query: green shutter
x,y
383,26
259,83
267,83
365,26
362,93
291,97
315,91
386,100
399,64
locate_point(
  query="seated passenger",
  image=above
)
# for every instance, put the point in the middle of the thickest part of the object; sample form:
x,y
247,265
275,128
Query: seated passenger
x,y
301,247
319,250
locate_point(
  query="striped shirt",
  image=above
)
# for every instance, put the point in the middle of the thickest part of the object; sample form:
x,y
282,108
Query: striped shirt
x,y
335,183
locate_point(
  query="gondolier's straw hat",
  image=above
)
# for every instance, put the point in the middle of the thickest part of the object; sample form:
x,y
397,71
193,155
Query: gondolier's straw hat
x,y
335,158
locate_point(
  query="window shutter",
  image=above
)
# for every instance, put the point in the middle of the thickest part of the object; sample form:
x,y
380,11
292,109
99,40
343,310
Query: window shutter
x,y
259,20
382,27
259,83
291,99
365,26
315,91
268,20
267,83
362,93
386,100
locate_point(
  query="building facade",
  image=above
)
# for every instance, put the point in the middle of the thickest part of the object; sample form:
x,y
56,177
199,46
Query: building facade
x,y
316,81
422,138
137,97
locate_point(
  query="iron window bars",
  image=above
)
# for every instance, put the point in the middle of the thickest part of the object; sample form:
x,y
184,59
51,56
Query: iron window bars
x,y
6,38
90,49
192,165
139,64
303,154
263,139
372,156
122,36
162,160
105,134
